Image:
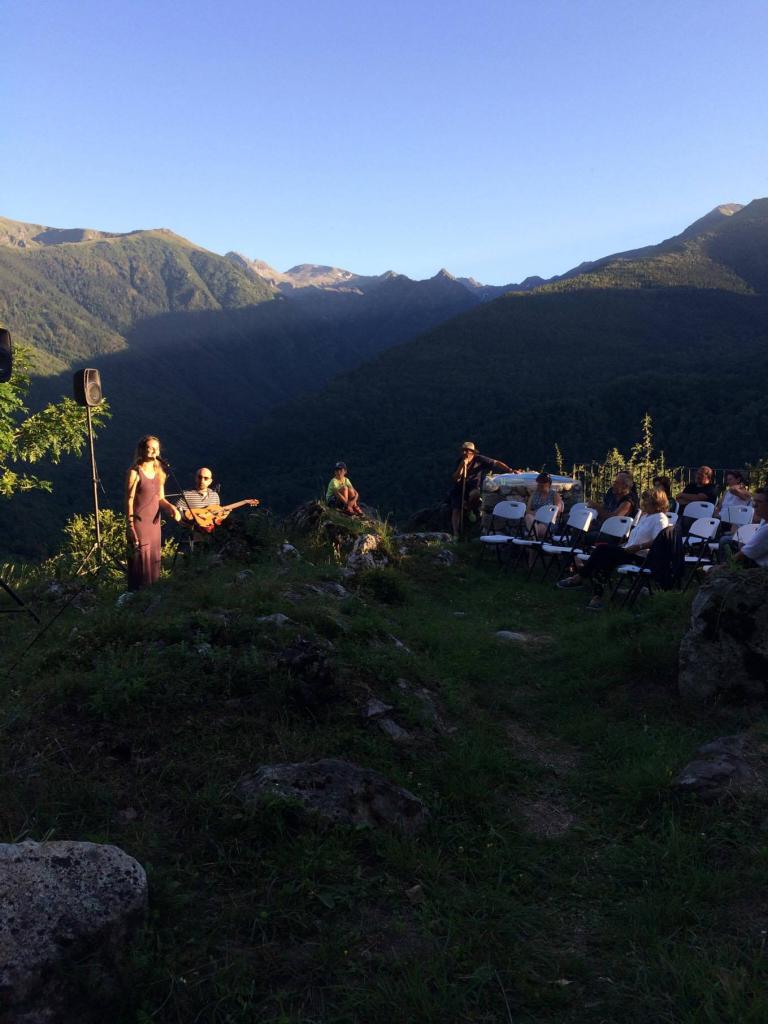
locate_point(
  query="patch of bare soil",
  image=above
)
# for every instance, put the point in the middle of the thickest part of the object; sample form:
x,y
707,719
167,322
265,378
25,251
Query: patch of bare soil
x,y
546,752
546,818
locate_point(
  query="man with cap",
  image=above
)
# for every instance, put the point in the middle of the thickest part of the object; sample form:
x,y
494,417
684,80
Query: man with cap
x,y
341,493
466,483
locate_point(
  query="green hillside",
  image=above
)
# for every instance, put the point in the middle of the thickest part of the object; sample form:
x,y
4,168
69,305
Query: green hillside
x,y
72,300
726,249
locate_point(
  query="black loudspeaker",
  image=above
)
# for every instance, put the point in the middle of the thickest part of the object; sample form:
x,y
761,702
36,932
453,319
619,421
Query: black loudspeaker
x,y
87,388
6,355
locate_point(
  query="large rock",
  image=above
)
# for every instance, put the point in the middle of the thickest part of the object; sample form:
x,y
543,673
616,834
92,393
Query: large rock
x,y
60,904
339,791
366,553
725,651
727,766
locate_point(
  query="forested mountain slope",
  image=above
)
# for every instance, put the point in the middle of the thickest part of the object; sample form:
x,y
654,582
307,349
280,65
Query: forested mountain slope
x,y
680,330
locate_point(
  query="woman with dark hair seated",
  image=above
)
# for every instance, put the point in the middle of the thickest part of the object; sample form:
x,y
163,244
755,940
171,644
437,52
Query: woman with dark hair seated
x,y
606,557
543,494
665,483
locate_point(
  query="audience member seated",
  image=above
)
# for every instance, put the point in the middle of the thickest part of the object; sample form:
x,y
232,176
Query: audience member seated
x,y
340,492
544,494
755,551
606,557
620,499
736,493
702,489
665,483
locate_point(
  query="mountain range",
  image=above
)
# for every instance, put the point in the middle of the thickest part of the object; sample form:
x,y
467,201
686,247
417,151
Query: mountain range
x,y
272,375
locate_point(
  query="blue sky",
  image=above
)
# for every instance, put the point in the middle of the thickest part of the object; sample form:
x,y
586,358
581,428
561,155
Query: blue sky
x,y
497,139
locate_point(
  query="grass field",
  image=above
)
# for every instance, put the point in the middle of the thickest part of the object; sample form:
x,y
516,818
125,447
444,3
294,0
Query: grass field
x,y
558,880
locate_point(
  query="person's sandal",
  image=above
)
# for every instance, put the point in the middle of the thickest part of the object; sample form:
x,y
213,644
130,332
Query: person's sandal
x,y
595,605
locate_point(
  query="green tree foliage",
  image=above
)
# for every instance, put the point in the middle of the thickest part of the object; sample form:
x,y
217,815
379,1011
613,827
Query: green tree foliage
x,y
56,430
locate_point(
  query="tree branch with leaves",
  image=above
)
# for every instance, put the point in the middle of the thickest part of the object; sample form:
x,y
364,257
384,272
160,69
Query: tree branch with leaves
x,y
58,429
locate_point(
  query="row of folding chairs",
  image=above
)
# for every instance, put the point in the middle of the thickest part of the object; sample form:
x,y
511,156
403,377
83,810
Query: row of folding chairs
x,y
559,546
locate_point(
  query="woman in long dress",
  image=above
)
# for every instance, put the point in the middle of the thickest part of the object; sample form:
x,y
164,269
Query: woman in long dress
x,y
144,497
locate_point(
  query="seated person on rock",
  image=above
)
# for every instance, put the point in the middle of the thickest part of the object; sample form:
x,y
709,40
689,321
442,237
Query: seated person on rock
x,y
703,488
467,483
619,500
341,494
606,557
543,494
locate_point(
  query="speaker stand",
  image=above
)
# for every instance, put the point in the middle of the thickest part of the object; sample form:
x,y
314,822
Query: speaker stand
x,y
15,597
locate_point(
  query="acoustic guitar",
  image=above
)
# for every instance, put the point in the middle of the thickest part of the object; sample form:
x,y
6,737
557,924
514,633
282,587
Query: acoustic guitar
x,y
211,516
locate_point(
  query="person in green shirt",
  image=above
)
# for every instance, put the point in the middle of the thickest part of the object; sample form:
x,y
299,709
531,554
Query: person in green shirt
x,y
341,493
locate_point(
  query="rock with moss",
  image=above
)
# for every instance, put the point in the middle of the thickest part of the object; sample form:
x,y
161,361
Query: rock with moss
x,y
339,792
724,654
68,913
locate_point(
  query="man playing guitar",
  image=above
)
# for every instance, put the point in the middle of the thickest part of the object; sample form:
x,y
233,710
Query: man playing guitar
x,y
202,508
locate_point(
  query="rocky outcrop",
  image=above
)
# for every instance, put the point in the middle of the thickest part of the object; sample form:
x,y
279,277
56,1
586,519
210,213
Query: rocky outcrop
x,y
366,553
725,651
340,792
727,766
60,904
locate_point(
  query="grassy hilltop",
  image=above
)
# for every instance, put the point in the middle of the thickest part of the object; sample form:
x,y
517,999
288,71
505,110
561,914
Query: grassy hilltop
x,y
558,879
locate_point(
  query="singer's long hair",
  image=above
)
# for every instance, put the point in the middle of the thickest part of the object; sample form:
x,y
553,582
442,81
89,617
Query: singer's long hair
x,y
138,455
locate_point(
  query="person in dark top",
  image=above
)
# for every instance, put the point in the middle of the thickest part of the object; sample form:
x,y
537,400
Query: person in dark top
x,y
665,484
702,489
467,482
619,500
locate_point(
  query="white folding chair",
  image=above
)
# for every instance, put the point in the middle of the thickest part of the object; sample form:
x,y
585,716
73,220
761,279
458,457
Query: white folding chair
x,y
746,532
698,510
546,516
508,513
734,515
566,544
672,518
702,531
737,515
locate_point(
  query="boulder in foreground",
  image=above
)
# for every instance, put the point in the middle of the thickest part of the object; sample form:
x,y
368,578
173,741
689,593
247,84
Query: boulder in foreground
x,y
724,654
63,903
339,791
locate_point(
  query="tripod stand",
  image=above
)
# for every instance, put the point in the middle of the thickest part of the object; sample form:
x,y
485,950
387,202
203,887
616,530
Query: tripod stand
x,y
15,597
97,548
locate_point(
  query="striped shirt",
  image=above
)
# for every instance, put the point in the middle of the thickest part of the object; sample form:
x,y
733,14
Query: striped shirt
x,y
197,499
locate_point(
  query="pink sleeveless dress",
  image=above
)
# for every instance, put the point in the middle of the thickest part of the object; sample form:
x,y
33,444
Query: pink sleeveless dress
x,y
144,565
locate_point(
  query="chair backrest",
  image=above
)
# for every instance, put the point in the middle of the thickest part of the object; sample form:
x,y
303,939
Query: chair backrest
x,y
578,506
508,510
698,510
637,517
671,518
737,515
704,528
746,532
547,514
617,526
665,558
580,518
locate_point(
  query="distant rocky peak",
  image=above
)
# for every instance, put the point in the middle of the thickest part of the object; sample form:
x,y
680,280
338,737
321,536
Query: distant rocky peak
x,y
728,209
